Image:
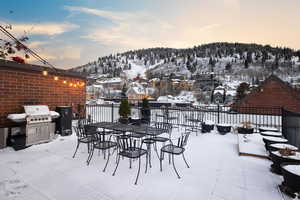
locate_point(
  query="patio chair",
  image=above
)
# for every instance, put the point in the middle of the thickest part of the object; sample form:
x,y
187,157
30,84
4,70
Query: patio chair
x,y
128,148
175,149
162,139
173,118
168,130
83,121
82,137
101,143
194,122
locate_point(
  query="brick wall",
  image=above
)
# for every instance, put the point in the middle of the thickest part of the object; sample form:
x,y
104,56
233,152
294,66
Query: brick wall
x,y
18,88
273,93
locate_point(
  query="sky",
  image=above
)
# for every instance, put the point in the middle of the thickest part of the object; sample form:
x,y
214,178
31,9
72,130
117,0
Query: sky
x,y
69,33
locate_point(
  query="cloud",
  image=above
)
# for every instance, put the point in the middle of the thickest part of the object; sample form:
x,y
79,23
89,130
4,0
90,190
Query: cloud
x,y
34,44
140,30
115,16
42,28
58,53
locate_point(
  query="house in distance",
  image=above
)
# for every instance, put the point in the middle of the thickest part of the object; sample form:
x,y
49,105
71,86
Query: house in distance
x,y
273,91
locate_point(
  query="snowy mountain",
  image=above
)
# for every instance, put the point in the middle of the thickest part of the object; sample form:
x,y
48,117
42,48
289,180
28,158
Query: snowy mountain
x,y
236,59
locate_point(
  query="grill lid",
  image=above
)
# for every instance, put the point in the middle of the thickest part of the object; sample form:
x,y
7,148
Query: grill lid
x,y
37,110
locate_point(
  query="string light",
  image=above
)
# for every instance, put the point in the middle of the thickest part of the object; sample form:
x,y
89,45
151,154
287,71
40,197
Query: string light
x,y
56,78
45,72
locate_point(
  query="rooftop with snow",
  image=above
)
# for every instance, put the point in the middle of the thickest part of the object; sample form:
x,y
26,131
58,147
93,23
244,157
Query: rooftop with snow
x,y
216,172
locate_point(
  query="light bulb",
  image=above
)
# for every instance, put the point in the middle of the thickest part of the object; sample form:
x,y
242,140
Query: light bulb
x,y
45,73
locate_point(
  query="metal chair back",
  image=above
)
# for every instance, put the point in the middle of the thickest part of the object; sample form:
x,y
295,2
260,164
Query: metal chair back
x,y
79,131
126,143
182,141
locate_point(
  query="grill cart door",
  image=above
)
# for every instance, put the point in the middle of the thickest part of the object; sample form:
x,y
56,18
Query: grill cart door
x,y
64,122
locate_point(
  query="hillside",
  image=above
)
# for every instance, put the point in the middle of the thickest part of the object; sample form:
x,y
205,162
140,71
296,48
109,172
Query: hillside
x,y
237,59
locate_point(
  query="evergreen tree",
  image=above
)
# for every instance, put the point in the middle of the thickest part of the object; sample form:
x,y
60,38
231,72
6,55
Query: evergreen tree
x,y
246,64
124,110
228,66
242,91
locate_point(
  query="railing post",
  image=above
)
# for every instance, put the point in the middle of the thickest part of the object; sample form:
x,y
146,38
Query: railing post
x,y
112,112
283,125
218,113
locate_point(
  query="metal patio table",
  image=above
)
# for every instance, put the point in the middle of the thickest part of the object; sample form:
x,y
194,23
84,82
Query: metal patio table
x,y
116,126
144,130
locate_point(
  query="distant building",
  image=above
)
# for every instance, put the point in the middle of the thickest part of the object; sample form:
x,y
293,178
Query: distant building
x,y
224,94
93,91
154,82
205,82
112,83
273,92
136,92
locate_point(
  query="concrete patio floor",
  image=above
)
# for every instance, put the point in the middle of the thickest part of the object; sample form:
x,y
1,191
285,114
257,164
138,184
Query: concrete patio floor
x,y
217,172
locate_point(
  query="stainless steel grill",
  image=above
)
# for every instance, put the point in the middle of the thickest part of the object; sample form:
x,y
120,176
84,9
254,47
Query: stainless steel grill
x,y
37,114
39,127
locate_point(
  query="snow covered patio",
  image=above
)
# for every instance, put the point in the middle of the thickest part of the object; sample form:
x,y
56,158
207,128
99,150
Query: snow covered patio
x,y
217,172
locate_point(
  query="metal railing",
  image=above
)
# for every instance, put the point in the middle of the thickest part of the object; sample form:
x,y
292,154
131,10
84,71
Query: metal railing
x,y
259,116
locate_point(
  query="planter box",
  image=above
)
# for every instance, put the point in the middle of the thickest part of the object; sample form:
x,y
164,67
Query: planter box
x,y
262,129
271,133
291,180
278,160
223,129
273,141
278,146
146,114
206,128
242,130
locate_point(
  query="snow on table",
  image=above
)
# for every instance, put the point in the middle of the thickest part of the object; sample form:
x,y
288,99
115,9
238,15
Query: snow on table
x,y
48,171
252,145
294,169
274,139
271,133
268,128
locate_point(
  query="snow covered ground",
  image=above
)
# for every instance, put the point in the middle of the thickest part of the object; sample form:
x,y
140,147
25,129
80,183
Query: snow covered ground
x,y
135,70
138,69
48,171
252,145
